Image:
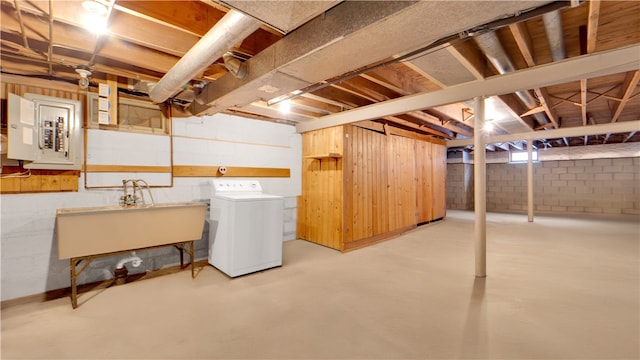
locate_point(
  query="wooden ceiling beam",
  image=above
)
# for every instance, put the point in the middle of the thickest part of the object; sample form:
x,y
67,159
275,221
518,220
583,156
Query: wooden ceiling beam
x,y
628,87
316,105
621,127
525,44
31,67
327,101
457,112
438,122
16,49
470,57
72,37
383,82
22,30
592,25
337,94
375,93
583,101
292,109
390,129
451,112
401,79
523,40
195,17
410,122
367,89
594,65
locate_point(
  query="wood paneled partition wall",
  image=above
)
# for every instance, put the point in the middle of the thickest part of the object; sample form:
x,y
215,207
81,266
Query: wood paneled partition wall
x,y
360,186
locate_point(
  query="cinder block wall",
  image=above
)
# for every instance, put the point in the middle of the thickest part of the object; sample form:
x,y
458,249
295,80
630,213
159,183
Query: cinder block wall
x,y
460,186
455,187
607,186
29,254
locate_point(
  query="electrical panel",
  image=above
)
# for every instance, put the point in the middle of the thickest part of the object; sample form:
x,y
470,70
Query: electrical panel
x,y
45,132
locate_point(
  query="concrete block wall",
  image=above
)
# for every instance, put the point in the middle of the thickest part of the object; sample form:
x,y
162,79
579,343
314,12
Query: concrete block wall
x,y
29,254
605,186
507,187
608,186
458,186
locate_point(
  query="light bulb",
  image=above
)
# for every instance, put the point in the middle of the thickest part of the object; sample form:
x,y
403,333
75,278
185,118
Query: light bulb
x,y
83,83
285,107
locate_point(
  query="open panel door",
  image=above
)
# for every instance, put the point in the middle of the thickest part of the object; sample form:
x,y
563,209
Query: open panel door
x,y
45,131
21,119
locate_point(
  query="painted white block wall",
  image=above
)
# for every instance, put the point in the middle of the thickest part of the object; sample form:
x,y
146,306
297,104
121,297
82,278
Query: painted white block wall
x,y
29,253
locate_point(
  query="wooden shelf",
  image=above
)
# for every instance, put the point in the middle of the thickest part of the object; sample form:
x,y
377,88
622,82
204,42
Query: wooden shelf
x,y
324,156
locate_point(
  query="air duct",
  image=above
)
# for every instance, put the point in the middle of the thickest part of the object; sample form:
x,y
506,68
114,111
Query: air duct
x,y
555,35
226,33
491,46
234,65
350,36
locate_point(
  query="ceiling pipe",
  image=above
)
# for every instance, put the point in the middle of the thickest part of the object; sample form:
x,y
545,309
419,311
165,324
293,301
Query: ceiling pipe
x,y
226,33
491,46
314,53
555,35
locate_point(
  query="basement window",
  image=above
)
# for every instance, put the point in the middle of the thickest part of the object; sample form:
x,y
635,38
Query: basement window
x,y
133,115
522,156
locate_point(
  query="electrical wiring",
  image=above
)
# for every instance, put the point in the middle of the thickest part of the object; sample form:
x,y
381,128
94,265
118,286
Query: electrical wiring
x,y
19,175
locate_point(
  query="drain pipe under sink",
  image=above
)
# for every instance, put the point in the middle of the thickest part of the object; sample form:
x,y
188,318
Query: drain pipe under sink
x,y
121,270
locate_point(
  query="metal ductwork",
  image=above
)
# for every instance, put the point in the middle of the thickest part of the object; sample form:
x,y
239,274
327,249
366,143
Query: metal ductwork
x,y
234,65
349,36
226,33
491,46
555,35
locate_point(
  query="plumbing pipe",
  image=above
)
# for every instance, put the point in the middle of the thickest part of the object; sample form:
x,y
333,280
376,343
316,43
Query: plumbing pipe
x,y
133,259
146,185
135,185
226,33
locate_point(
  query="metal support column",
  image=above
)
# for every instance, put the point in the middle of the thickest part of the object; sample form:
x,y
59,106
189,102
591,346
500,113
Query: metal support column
x,y
480,187
530,179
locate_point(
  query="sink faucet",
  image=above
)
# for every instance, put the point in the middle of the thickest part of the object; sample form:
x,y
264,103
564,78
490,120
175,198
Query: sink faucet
x,y
130,198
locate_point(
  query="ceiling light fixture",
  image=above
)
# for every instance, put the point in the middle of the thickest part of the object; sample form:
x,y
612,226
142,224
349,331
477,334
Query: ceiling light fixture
x,y
95,17
94,7
488,127
284,107
84,73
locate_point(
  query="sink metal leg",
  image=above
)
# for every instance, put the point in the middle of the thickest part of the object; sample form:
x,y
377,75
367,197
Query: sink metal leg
x,y
73,264
74,290
191,254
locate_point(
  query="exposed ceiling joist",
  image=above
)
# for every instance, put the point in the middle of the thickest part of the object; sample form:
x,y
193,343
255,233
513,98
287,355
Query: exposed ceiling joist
x,y
420,48
628,88
572,69
609,128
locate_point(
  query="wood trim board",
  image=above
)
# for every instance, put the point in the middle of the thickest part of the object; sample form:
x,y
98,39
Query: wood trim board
x,y
231,171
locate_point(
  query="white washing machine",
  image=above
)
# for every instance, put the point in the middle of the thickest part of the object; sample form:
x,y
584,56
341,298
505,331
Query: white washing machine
x,y
245,227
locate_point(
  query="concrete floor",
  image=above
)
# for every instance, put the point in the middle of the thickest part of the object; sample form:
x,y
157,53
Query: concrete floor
x,y
559,288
